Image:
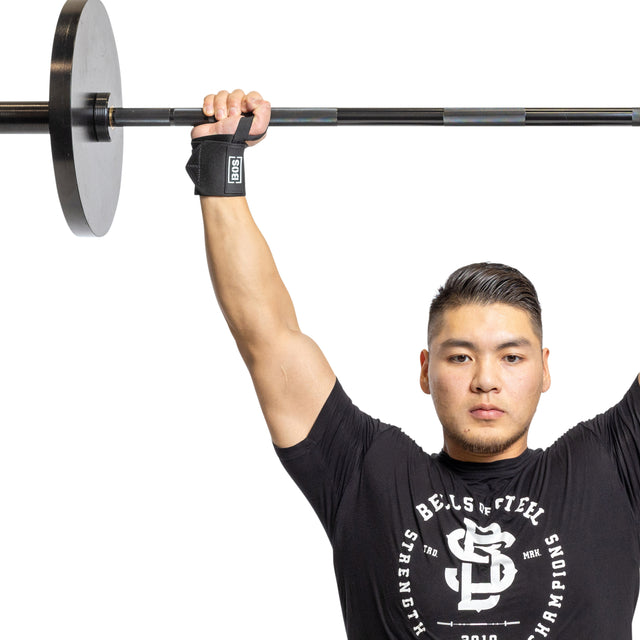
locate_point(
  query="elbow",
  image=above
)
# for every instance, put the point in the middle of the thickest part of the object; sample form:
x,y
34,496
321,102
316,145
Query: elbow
x,y
257,336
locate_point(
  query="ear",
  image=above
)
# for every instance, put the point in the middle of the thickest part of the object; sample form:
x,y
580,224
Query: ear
x,y
424,371
546,376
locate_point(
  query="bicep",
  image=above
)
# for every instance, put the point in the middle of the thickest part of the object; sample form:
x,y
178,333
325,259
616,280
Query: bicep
x,y
293,380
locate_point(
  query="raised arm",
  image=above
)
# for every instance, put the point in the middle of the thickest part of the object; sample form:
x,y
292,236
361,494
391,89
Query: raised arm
x,y
291,375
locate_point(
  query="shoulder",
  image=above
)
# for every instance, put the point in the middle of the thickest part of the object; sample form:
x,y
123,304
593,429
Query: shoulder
x,y
341,426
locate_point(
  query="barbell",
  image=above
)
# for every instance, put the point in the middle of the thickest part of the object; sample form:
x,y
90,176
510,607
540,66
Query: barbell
x,y
84,117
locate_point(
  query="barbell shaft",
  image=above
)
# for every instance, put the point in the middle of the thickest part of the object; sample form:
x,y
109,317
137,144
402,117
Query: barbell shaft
x,y
121,117
33,117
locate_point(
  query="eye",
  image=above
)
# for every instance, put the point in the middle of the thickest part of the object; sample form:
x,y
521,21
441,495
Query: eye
x,y
461,358
513,359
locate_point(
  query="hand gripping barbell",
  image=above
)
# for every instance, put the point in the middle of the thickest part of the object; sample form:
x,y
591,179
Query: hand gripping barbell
x,y
84,117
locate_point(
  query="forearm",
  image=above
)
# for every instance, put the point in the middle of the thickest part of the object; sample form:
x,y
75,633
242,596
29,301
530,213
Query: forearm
x,y
250,292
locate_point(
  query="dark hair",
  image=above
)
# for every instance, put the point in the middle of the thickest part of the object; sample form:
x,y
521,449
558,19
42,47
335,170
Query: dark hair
x,y
486,283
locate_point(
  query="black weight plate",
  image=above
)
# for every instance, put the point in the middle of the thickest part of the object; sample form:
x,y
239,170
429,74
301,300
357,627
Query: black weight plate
x,y
84,62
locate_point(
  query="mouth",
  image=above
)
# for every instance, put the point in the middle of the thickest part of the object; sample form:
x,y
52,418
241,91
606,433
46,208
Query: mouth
x,y
486,412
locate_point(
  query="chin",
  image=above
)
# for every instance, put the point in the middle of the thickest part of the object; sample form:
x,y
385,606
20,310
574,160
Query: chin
x,y
492,445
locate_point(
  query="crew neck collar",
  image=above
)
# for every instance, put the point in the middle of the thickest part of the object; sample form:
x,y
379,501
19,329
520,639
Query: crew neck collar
x,y
498,469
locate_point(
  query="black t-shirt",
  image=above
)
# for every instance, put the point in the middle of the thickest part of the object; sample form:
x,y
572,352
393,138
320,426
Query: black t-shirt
x,y
544,545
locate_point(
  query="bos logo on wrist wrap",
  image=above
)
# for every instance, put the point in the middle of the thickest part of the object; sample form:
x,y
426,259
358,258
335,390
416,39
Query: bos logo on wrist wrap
x,y
235,169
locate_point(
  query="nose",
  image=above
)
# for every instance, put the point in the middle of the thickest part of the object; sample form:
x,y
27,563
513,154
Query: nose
x,y
486,378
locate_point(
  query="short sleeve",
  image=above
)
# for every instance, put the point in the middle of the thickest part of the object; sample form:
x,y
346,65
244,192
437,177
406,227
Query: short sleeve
x,y
618,430
323,464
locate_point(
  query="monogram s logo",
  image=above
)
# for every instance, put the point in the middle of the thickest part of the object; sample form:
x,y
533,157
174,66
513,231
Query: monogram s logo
x,y
480,551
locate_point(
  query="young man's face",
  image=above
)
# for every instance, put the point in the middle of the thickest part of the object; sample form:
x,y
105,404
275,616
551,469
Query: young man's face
x,y
485,372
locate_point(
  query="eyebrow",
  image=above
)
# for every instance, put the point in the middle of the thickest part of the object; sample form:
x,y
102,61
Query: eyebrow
x,y
466,344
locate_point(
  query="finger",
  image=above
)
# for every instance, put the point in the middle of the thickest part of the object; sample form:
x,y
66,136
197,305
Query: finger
x,y
207,105
234,102
251,101
220,105
261,116
254,103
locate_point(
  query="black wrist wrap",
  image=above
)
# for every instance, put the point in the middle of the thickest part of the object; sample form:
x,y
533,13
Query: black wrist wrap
x,y
216,165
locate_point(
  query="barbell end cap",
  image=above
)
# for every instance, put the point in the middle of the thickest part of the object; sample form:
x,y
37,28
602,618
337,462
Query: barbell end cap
x,y
635,118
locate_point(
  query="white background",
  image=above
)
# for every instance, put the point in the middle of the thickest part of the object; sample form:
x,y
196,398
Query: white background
x,y
139,493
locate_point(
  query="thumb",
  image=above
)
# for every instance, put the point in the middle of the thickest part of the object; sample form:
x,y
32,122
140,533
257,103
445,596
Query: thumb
x,y
227,126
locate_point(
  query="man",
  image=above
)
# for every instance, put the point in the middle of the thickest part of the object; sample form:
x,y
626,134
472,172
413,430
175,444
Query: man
x,y
487,540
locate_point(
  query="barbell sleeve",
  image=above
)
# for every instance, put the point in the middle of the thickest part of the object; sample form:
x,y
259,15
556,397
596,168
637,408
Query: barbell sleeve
x,y
24,117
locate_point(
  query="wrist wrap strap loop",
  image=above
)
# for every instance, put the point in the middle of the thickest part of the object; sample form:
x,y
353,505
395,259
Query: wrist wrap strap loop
x,y
216,165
